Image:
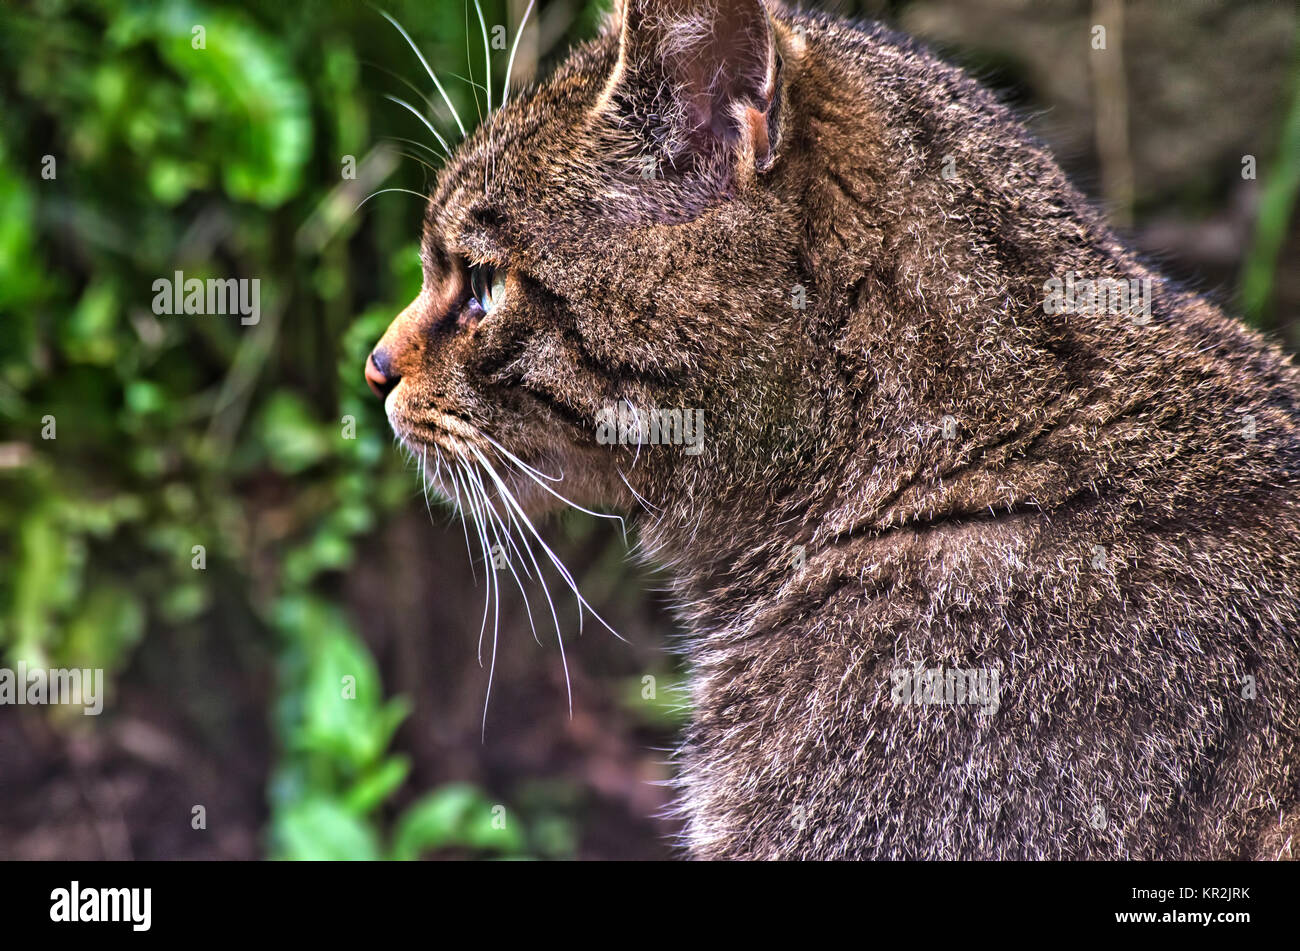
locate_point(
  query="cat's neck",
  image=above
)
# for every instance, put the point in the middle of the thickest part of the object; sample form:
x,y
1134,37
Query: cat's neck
x,y
757,551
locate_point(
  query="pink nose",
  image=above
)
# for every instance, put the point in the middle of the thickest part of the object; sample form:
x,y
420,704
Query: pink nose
x,y
379,375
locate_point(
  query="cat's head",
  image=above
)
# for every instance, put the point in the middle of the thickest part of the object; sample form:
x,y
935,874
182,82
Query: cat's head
x,y
614,238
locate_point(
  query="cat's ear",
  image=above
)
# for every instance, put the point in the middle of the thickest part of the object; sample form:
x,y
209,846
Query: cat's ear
x,y
696,75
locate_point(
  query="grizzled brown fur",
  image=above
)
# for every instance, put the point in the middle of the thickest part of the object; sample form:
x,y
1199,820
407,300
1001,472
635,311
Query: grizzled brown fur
x,y
1110,520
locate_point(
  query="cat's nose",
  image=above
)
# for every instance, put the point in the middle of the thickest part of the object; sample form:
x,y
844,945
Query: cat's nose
x,y
379,373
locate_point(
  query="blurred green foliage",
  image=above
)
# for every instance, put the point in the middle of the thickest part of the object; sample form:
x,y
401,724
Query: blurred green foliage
x,y
144,138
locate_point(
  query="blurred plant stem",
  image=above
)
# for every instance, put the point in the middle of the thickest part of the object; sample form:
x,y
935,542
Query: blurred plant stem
x,y
1110,111
1277,203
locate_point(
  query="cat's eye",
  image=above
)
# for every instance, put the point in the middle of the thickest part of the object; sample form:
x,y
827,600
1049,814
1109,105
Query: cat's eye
x,y
487,284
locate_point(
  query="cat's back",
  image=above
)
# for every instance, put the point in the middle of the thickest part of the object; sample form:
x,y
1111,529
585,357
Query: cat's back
x,y
1108,531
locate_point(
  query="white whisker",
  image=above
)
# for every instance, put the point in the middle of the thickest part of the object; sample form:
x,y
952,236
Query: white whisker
x,y
514,48
383,190
504,492
538,476
509,531
469,63
487,557
541,578
464,525
648,506
555,560
489,166
427,124
555,618
487,55
494,524
519,462
423,62
416,158
417,144
496,630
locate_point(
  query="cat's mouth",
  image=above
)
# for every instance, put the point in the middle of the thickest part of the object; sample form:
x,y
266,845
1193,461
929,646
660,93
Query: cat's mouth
x,y
438,430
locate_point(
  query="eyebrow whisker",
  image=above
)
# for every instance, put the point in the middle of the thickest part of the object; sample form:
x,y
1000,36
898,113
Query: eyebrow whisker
x,y
489,165
487,55
469,64
423,62
428,125
381,191
514,48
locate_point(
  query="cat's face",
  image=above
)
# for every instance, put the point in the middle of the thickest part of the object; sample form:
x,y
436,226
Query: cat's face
x,y
605,238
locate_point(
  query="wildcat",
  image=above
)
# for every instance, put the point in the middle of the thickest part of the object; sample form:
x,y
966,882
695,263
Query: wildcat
x,y
976,560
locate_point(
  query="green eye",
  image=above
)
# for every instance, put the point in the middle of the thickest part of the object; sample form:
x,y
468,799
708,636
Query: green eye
x,y
488,285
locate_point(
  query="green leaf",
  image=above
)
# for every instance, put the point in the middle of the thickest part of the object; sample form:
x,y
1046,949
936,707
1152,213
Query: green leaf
x,y
456,815
292,438
320,829
265,125
109,623
377,785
